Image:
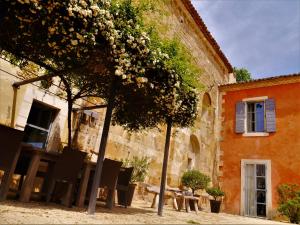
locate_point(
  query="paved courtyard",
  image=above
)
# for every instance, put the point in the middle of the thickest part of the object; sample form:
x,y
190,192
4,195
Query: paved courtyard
x,y
12,212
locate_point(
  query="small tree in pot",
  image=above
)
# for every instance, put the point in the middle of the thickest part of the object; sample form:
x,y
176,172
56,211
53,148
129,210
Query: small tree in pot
x,y
195,180
217,194
140,170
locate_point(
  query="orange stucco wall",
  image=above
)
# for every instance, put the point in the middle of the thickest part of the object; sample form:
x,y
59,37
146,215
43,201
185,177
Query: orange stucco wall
x,y
281,147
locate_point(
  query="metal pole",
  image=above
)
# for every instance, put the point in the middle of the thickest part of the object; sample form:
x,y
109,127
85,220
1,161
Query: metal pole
x,y
102,148
164,169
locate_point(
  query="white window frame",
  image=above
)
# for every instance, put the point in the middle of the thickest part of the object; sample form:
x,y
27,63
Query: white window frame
x,y
253,134
268,184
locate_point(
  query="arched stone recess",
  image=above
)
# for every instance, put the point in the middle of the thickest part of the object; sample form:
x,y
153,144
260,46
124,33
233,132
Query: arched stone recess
x,y
194,153
207,137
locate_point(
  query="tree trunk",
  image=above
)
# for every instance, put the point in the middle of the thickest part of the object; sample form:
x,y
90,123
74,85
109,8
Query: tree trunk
x,y
102,148
164,169
70,106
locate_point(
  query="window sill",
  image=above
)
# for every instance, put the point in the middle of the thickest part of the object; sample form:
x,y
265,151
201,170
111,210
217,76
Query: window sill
x,y
256,134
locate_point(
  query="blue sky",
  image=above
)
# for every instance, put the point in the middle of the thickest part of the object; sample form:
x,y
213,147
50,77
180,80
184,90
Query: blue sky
x,y
262,36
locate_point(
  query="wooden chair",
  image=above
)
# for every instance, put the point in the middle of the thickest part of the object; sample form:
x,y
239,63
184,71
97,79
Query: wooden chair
x,y
10,146
109,178
66,170
123,185
22,167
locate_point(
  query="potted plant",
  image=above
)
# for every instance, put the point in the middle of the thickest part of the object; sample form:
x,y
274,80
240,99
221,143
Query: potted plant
x,y
140,170
194,180
217,194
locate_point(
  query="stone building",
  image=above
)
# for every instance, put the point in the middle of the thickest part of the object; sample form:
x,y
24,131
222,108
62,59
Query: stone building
x,y
195,147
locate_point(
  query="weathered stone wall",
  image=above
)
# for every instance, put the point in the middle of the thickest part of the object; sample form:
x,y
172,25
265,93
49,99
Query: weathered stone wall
x,y
25,96
194,147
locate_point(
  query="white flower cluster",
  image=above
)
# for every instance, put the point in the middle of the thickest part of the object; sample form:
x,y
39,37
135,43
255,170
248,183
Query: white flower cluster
x,y
77,30
69,35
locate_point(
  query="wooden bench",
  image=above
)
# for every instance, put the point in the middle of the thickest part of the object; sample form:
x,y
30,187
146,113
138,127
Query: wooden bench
x,y
169,193
186,201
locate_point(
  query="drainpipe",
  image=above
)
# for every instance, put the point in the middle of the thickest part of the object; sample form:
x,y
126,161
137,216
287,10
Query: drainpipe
x,y
13,110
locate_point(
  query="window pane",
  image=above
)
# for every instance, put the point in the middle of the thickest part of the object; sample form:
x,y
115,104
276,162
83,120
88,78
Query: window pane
x,y
250,117
40,115
260,183
260,170
38,124
260,115
35,137
261,210
261,197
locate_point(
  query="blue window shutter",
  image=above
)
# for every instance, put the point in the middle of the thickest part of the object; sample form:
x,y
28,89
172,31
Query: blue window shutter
x,y
240,117
270,115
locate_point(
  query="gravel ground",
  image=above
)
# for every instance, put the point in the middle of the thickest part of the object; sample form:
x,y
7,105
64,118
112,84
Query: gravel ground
x,y
13,212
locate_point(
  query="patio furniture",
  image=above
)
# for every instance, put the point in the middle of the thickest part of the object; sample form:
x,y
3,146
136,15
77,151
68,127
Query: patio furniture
x,y
10,143
169,193
85,182
123,186
23,165
66,170
34,157
109,178
203,201
186,201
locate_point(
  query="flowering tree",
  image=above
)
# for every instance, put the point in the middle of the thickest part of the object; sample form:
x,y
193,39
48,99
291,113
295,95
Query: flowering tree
x,y
78,41
85,43
101,49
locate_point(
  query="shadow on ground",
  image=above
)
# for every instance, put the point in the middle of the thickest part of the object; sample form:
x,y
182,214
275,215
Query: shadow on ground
x,y
99,209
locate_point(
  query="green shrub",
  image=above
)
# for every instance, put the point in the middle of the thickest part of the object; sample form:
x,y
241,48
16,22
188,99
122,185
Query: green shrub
x,y
215,192
140,167
195,180
289,201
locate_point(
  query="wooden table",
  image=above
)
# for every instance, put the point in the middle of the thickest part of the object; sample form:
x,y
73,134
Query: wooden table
x,y
36,156
88,168
86,172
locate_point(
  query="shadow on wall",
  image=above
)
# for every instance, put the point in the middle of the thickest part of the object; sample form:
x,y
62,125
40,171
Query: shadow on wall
x,y
54,141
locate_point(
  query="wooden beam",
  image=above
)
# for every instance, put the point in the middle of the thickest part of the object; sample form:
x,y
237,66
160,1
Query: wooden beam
x,y
31,80
90,107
